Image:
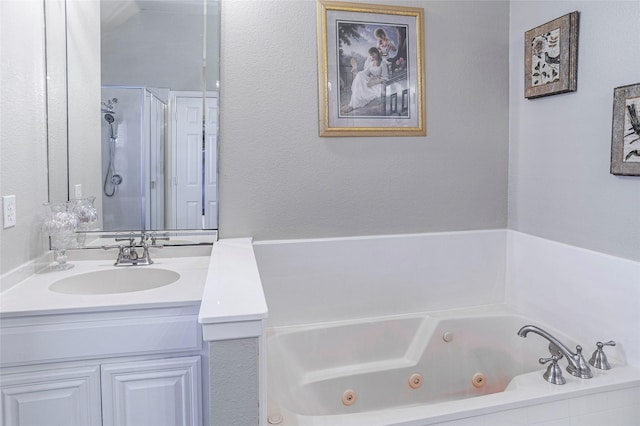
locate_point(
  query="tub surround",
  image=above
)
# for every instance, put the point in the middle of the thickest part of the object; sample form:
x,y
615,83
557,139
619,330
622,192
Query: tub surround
x,y
403,273
586,294
555,283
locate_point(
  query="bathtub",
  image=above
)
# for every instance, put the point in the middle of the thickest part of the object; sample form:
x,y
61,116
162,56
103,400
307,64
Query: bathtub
x,y
355,322
415,369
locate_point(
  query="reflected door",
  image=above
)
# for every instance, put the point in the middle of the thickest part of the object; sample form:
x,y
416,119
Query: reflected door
x,y
157,116
211,164
195,180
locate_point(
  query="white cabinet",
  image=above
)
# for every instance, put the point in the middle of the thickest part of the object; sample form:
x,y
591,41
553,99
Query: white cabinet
x,y
160,392
126,368
57,397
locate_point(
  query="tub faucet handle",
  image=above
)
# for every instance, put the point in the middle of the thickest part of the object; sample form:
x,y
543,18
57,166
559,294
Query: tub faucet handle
x,y
599,358
553,374
555,350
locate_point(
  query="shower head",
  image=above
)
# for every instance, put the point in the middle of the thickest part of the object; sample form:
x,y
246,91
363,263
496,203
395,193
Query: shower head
x,y
109,118
109,106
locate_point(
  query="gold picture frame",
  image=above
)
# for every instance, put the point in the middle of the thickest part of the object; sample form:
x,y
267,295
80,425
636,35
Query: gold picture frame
x,y
364,93
551,57
625,131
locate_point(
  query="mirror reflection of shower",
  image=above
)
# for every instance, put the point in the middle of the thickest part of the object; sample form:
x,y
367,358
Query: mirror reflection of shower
x,y
111,178
133,121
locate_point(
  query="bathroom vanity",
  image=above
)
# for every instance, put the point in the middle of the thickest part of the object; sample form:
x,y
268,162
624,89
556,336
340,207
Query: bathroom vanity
x,y
127,358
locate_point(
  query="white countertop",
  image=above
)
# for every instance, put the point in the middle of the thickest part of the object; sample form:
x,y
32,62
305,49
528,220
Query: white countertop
x,y
234,290
33,297
225,283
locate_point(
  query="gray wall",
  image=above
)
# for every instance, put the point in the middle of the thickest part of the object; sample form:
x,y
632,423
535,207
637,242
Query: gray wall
x,y
279,179
559,184
233,375
23,137
156,26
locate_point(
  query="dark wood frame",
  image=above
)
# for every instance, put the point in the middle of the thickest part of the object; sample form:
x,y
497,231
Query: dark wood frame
x,y
625,130
567,77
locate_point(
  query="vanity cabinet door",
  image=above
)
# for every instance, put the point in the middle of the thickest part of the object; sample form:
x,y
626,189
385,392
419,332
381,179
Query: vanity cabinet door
x,y
161,392
57,397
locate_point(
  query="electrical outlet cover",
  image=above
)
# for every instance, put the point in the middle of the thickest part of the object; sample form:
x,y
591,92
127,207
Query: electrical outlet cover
x,y
9,210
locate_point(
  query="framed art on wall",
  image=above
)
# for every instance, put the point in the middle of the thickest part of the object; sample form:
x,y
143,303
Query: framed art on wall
x,y
625,133
370,70
551,57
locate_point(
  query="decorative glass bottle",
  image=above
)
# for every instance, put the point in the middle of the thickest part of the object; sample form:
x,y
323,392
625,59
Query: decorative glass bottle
x,y
60,223
87,216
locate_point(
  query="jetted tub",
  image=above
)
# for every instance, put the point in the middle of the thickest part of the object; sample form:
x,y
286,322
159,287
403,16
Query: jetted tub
x,y
412,369
354,323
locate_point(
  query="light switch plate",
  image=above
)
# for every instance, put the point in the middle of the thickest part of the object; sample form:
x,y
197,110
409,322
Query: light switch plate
x,y
9,210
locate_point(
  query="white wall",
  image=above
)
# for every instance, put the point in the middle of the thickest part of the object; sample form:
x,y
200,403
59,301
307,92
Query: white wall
x,y
279,179
83,70
559,182
23,163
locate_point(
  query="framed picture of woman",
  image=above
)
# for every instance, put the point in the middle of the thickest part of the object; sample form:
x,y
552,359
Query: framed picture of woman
x,y
370,70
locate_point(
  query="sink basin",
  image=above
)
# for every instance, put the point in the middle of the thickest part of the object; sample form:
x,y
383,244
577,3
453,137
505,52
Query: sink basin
x,y
116,280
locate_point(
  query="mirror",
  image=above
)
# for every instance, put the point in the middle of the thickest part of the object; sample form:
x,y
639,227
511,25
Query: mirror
x,y
141,111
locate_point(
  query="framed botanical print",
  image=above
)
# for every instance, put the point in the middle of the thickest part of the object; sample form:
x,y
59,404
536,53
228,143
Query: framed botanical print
x,y
370,70
551,57
625,133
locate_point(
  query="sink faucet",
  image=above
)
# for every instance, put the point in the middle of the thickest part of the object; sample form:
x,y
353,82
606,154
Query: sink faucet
x,y
577,364
127,253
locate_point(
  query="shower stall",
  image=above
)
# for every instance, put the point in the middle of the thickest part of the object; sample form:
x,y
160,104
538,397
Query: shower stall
x,y
134,139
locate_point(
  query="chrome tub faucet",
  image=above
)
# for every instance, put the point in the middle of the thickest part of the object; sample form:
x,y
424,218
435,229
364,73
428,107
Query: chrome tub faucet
x,y
577,364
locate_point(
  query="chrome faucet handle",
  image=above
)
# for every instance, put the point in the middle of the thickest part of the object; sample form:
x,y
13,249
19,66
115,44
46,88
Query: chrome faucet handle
x,y
555,350
130,252
580,368
126,253
145,259
553,374
599,358
121,248
131,238
145,237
